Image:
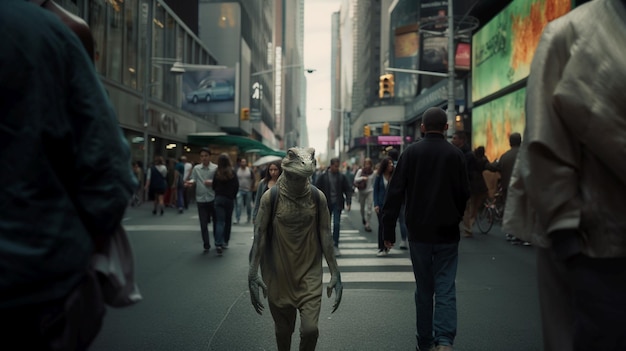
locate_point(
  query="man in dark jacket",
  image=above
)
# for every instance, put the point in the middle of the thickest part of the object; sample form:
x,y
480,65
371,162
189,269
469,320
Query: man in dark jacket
x,y
67,182
431,176
338,192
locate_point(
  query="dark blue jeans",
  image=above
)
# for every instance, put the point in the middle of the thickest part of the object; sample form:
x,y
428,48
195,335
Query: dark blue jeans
x,y
224,217
335,212
434,267
206,211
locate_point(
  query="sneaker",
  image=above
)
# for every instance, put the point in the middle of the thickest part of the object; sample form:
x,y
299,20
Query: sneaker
x,y
516,241
509,237
207,247
225,246
382,253
443,348
219,250
337,252
403,245
526,243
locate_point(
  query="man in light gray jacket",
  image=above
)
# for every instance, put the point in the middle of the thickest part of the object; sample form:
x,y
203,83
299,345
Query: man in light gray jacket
x,y
568,184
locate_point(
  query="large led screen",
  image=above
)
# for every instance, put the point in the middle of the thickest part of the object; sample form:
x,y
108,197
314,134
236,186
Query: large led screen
x,y
493,122
503,49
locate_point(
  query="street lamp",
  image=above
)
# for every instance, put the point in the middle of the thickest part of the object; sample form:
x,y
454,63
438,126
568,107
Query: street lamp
x,y
179,67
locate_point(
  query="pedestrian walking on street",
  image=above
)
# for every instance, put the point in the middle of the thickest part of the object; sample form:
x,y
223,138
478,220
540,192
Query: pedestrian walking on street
x,y
246,179
202,178
395,155
381,182
67,180
225,184
431,176
156,184
567,190
364,182
338,192
291,236
274,170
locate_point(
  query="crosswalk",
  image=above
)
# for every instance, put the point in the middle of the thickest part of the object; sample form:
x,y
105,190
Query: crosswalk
x,y
358,262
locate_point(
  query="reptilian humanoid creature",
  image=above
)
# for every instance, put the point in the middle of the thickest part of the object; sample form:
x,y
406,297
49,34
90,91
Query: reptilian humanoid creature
x,y
290,253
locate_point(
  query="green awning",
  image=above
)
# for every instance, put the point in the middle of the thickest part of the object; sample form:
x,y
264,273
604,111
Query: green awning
x,y
244,144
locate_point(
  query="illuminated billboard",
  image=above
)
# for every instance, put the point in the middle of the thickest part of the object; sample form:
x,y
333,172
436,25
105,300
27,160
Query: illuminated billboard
x,y
503,49
493,122
209,91
406,56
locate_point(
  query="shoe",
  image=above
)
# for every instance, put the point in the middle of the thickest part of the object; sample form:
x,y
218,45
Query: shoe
x,y
219,250
509,237
368,228
443,348
516,241
382,253
364,221
225,246
153,212
207,247
403,245
468,234
161,212
337,252
526,243
180,210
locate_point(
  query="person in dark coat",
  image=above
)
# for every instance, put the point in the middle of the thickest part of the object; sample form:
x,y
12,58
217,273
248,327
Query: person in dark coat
x,y
338,192
431,176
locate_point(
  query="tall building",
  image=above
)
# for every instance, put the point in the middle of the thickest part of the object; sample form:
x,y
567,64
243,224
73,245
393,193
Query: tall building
x,y
263,39
136,44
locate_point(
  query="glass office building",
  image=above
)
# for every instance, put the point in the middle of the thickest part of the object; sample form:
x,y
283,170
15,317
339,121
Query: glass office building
x,y
136,44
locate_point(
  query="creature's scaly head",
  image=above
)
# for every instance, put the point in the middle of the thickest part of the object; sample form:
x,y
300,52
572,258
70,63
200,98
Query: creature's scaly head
x,y
300,162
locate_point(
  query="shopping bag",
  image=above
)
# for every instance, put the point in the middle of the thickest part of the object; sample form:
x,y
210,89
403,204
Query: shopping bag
x,y
115,269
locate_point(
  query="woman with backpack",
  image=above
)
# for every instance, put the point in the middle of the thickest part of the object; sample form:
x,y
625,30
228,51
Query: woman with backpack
x,y
156,183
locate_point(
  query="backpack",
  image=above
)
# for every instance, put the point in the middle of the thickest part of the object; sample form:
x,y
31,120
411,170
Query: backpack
x,y
362,184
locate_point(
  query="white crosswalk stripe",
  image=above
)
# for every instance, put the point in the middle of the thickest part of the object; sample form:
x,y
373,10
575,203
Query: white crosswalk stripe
x,y
358,262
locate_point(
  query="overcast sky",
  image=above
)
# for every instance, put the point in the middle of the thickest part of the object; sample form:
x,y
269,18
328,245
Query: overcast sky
x,y
317,49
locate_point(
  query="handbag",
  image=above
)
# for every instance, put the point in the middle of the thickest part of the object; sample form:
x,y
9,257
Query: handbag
x,y
114,266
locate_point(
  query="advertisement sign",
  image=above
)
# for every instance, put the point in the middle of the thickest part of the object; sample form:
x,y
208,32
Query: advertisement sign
x,y
503,49
209,91
462,56
383,140
493,122
406,56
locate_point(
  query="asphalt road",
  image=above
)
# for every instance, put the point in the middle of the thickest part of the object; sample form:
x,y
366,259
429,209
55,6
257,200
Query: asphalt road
x,y
196,301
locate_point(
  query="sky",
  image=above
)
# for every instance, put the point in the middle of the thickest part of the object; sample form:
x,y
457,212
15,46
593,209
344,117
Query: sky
x,y
317,51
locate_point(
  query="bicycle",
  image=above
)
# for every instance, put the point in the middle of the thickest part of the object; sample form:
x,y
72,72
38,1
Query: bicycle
x,y
492,211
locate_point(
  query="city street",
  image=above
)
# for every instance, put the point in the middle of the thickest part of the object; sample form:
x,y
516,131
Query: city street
x,y
196,301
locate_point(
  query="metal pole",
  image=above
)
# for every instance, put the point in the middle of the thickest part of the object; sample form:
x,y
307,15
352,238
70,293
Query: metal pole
x,y
451,102
146,84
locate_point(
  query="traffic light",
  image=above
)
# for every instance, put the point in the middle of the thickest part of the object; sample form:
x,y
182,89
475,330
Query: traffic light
x,y
244,115
386,128
367,131
386,84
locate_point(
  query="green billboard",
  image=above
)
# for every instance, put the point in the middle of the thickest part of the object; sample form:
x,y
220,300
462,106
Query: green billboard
x,y
503,49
